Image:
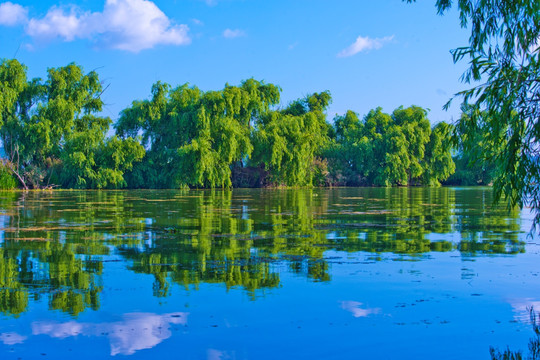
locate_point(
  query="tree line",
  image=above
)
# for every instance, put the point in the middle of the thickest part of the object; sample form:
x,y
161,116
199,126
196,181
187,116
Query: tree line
x,y
240,136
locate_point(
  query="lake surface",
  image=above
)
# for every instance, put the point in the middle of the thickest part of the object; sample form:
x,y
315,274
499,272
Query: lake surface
x,y
261,274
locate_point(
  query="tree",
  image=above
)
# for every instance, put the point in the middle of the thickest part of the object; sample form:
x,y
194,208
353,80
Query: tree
x,y
504,56
50,131
417,130
348,153
15,98
385,150
438,164
195,137
376,127
391,154
474,159
287,141
91,161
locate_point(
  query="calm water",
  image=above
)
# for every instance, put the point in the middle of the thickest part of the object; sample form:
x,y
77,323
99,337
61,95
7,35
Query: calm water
x,y
261,274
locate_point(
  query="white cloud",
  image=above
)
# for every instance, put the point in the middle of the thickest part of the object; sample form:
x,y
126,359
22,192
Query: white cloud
x,y
135,25
57,23
231,34
364,44
12,14
131,25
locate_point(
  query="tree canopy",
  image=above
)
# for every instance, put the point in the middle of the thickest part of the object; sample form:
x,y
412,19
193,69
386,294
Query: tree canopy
x,y
504,102
51,134
287,141
388,150
54,135
193,137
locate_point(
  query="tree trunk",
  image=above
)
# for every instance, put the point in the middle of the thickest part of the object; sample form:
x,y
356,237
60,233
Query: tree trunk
x,y
20,178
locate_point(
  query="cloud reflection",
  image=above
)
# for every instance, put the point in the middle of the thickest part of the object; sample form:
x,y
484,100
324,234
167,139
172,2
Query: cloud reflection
x,y
11,338
137,331
355,308
213,354
521,308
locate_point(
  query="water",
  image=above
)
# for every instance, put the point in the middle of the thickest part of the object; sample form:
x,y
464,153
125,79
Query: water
x,y
262,274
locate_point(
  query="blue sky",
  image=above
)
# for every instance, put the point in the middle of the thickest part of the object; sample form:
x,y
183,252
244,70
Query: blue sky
x,y
366,53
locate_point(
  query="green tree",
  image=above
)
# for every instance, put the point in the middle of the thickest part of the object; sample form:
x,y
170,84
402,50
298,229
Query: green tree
x,y
389,158
475,163
385,150
15,99
91,161
50,131
7,180
505,59
417,130
348,153
287,141
438,163
195,137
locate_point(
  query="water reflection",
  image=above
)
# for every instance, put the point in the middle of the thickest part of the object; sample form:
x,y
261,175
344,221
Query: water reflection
x,y
213,354
12,338
522,308
135,332
357,309
56,245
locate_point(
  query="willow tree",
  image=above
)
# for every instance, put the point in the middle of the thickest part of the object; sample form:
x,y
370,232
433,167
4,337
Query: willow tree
x,y
475,156
504,57
388,150
438,164
349,151
15,98
194,137
287,141
41,121
388,157
416,128
90,160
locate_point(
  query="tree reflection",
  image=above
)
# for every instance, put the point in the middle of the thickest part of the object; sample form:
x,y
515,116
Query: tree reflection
x,y
53,244
534,344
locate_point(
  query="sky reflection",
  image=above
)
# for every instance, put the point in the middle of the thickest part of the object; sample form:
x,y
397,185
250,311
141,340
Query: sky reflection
x,y
12,338
357,311
522,308
136,332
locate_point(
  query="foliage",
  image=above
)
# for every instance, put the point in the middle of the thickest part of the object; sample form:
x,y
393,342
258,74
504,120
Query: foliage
x,y
439,164
193,137
90,161
7,181
49,131
504,57
287,141
185,137
386,150
348,151
474,164
415,126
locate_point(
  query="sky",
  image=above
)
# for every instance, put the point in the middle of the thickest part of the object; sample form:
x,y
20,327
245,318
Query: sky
x,y
367,53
